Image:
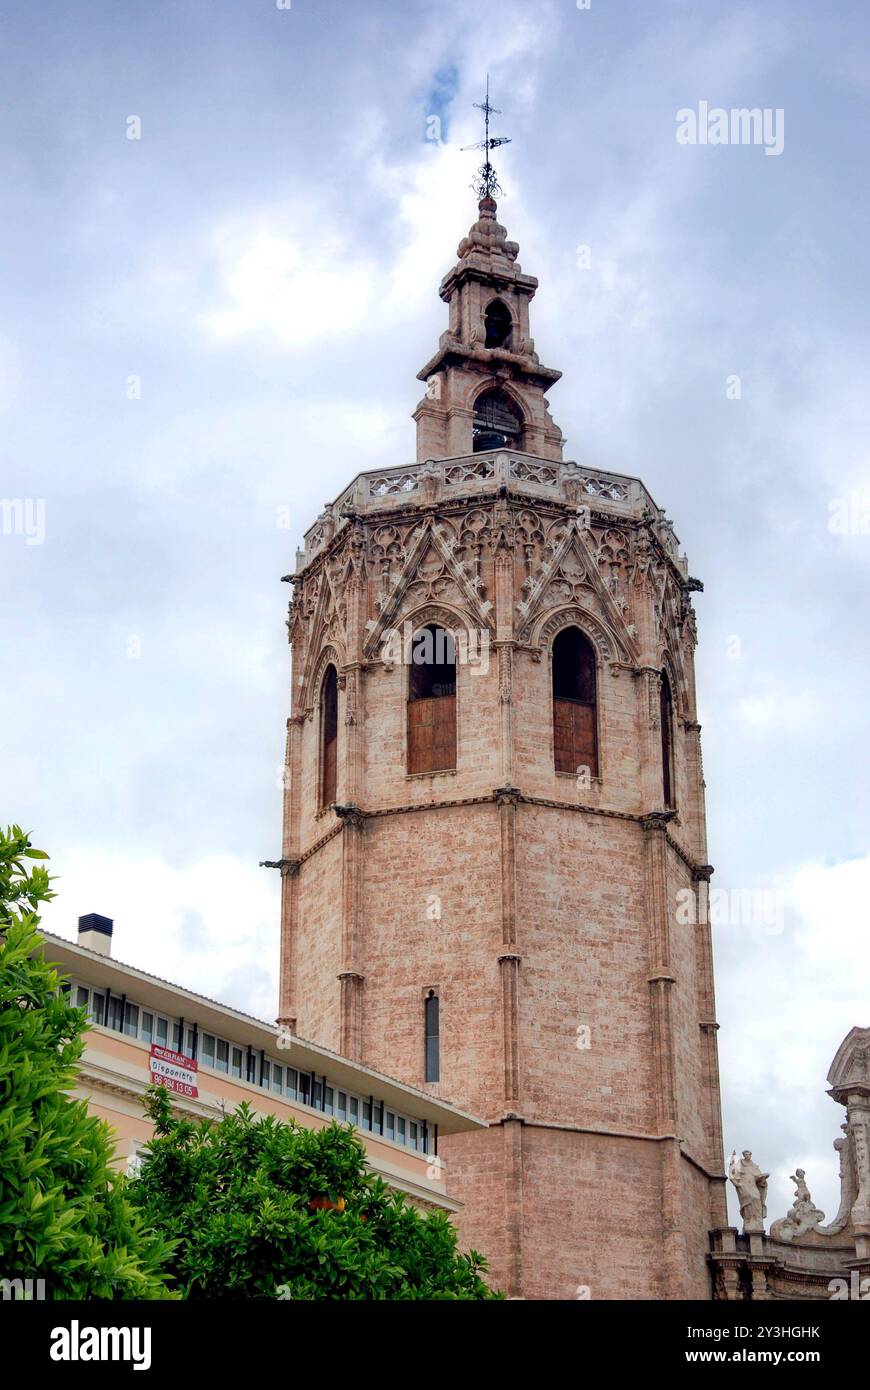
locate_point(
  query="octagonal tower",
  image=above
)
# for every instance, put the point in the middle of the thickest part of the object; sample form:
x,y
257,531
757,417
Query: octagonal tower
x,y
494,833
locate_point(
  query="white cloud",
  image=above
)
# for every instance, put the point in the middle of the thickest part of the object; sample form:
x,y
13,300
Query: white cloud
x,y
210,924
834,936
790,1002
286,291
10,375
781,710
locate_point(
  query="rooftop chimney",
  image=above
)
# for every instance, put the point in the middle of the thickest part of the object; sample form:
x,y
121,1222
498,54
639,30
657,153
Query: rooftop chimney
x,y
95,933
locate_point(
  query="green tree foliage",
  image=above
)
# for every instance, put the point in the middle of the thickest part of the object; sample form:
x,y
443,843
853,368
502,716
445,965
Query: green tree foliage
x,y
238,1195
65,1216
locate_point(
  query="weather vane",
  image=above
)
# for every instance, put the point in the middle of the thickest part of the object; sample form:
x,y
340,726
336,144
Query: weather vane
x,y
486,185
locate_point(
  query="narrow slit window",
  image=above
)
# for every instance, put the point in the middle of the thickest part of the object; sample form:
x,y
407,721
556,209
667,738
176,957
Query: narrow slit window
x,y
432,1024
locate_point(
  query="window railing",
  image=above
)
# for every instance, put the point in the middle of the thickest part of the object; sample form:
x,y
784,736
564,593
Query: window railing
x,y
251,1065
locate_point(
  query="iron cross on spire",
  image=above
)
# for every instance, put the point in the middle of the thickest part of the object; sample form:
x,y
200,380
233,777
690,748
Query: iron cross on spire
x,y
486,185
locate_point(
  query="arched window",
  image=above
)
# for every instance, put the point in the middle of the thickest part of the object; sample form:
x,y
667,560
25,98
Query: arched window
x,y
667,728
432,701
575,723
498,422
328,737
497,322
432,1034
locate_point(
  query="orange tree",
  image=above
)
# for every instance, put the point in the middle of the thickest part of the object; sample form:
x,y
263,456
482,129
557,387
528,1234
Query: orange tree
x,y
265,1209
64,1213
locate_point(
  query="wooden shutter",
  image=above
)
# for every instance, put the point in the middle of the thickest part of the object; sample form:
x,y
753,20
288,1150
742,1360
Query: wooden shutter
x,y
329,735
432,734
330,751
574,738
667,728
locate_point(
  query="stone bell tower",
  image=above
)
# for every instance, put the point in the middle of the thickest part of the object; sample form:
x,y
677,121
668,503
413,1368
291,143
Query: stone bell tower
x,y
494,861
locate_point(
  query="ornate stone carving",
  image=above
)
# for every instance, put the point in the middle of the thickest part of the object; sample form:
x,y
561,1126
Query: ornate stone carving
x,y
850,1085
351,696
645,567
751,1185
612,548
848,1186
597,486
603,640
387,549
526,471
470,471
505,669
802,1216
391,483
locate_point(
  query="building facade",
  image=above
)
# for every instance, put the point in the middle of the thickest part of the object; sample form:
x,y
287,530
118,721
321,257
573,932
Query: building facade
x,y
494,859
800,1257
212,1058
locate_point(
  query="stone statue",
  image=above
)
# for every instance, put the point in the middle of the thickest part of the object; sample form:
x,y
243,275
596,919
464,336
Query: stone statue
x,y
751,1185
803,1215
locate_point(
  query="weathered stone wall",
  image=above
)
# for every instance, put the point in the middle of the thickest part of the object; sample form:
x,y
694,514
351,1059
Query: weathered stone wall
x,y
533,903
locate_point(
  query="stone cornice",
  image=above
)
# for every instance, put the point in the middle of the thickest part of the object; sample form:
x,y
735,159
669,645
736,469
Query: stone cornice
x,y
656,820
715,1174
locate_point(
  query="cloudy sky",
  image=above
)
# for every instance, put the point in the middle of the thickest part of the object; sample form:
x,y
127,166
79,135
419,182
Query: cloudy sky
x,y
258,271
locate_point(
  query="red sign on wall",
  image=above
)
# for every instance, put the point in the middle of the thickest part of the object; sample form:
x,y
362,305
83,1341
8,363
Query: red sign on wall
x,y
174,1071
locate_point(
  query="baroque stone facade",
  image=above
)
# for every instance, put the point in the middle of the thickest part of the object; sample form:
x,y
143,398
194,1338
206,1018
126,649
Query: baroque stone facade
x,y
801,1258
540,907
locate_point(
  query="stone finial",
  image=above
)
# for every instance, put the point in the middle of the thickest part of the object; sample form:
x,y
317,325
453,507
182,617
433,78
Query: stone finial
x,y
488,237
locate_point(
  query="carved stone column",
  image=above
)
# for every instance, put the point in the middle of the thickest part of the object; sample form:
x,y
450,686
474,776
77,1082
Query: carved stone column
x,y
660,978
509,959
695,830
512,1129
709,1028
858,1120
649,694
759,1266
289,918
850,1086
504,633
350,1007
727,1261
290,857
350,975
661,982
510,968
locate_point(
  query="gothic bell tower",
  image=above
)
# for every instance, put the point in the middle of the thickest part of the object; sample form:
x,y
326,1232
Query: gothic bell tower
x,y
494,818
485,385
